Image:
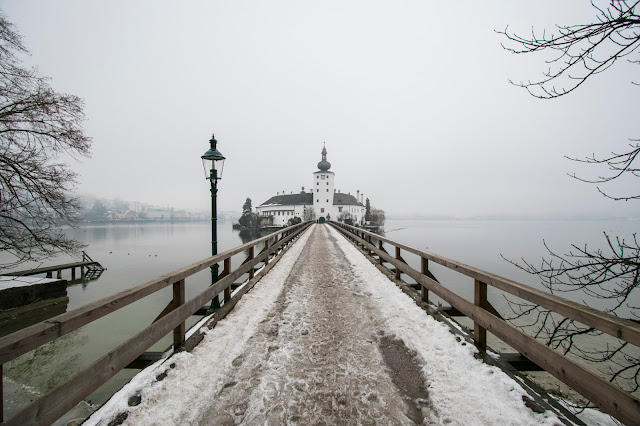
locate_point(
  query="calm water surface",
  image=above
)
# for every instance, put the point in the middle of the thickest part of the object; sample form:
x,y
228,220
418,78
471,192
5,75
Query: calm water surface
x,y
134,254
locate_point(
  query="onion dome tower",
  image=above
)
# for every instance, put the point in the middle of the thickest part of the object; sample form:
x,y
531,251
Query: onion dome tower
x,y
323,190
324,165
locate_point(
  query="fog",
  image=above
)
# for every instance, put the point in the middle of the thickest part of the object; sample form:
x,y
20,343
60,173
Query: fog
x,y
411,98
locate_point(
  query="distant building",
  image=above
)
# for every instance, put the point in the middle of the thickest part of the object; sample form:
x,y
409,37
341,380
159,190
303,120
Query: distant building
x,y
323,199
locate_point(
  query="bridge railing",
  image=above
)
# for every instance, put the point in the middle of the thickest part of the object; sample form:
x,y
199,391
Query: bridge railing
x,y
57,402
607,396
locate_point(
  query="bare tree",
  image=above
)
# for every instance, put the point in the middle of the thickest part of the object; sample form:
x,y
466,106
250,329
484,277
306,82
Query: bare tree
x,y
581,51
37,126
378,216
309,214
610,274
618,165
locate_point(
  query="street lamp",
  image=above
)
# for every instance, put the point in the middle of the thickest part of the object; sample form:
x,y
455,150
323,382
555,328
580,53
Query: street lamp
x,y
209,162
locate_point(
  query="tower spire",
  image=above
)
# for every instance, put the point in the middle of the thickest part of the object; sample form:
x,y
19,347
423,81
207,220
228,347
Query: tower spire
x,y
324,165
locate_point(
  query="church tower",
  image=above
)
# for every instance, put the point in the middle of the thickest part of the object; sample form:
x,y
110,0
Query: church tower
x,y
323,189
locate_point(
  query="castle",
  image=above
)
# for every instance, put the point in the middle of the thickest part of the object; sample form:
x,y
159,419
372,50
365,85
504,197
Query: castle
x,y
323,200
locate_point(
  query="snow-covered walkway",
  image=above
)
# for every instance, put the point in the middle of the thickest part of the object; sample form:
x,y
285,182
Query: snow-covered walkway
x,y
325,338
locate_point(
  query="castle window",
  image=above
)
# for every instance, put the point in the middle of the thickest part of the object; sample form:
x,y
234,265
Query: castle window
x,y
327,201
317,190
317,183
327,190
340,209
327,183
322,210
322,177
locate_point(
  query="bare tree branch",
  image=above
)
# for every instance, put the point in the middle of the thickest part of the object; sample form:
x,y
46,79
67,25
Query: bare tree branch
x,y
581,51
37,124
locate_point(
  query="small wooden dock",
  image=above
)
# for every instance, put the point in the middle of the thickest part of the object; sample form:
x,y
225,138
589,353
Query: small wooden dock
x,y
89,269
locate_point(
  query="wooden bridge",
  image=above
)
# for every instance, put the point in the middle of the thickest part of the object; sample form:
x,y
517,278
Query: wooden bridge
x,y
261,255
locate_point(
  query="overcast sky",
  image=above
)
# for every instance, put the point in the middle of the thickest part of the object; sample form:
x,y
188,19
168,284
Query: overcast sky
x,y
411,97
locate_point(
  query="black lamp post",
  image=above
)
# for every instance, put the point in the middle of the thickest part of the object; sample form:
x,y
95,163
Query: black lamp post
x,y
209,161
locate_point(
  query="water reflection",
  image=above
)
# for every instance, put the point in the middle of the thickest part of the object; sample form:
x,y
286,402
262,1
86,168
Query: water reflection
x,y
41,370
247,235
12,320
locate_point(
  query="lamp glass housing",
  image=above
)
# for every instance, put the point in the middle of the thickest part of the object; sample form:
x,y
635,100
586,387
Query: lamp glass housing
x,y
209,160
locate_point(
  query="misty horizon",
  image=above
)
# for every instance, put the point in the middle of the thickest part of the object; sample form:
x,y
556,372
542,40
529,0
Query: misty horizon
x,y
416,114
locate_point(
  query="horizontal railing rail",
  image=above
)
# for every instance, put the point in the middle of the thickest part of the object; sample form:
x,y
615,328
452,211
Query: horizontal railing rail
x,y
67,395
608,397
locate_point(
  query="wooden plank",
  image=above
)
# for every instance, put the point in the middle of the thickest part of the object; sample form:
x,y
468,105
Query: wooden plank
x,y
251,271
178,299
620,328
609,398
44,269
424,270
480,300
227,270
1,394
381,248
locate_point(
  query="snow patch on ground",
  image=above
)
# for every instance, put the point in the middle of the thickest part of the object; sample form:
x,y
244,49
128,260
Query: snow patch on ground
x,y
462,389
12,282
288,350
178,398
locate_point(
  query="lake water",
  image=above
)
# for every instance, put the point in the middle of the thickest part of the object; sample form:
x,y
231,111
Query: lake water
x,y
134,254
483,244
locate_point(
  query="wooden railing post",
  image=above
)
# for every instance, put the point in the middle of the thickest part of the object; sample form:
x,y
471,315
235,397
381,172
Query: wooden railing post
x,y
251,271
381,247
266,248
480,299
226,271
369,240
424,269
399,257
178,299
1,395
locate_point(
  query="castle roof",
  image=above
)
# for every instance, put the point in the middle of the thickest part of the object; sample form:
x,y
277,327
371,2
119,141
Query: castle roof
x,y
340,199
289,200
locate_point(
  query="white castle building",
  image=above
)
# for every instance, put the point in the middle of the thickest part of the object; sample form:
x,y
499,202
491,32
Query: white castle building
x,y
323,199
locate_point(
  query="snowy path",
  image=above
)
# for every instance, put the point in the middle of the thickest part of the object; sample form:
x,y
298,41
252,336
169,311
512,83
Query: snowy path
x,y
324,338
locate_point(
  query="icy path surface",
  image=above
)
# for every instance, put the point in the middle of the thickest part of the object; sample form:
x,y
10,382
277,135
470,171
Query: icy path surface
x,y
325,338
